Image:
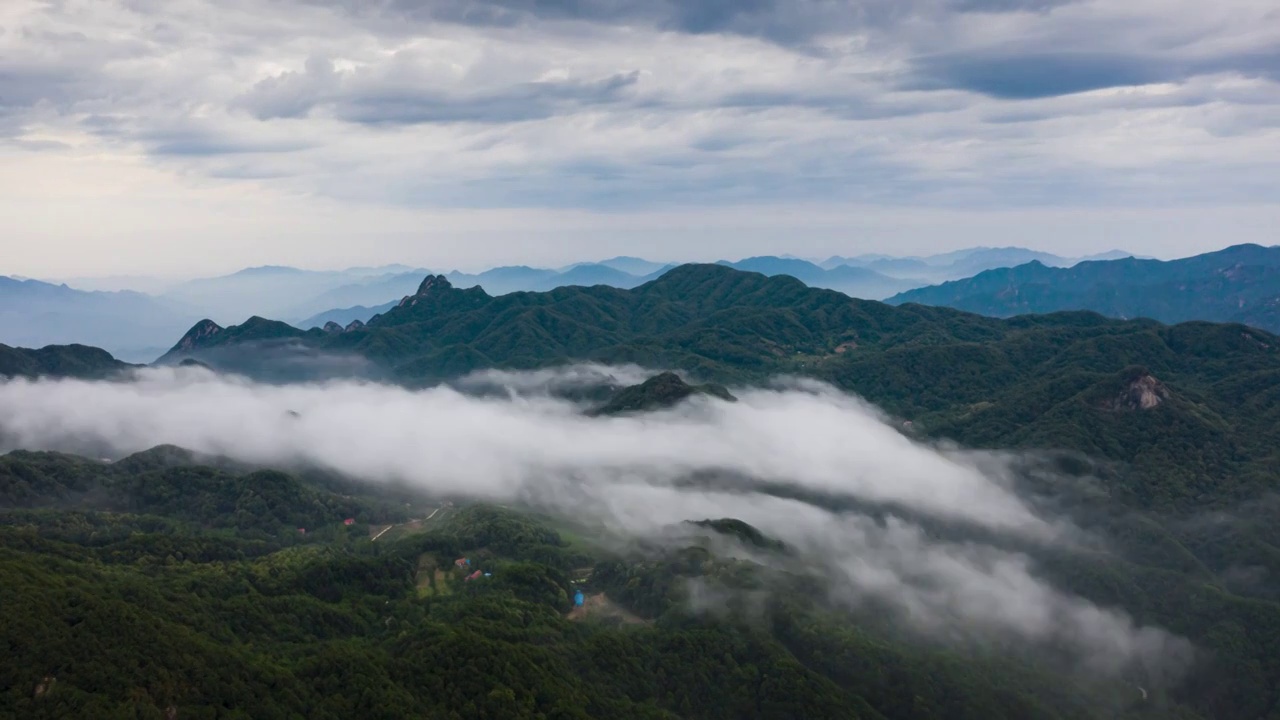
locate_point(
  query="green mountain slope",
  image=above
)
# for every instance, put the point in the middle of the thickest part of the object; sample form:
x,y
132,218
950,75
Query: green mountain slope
x,y
694,317
160,611
660,391
77,361
1238,284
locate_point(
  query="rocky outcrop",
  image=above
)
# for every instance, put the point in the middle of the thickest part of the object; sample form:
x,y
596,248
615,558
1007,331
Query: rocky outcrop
x,y
431,285
1143,392
199,334
332,327
434,282
353,325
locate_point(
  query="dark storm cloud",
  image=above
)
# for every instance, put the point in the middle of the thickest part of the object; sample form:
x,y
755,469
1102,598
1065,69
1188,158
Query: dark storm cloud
x,y
789,22
1021,75
768,18
1037,75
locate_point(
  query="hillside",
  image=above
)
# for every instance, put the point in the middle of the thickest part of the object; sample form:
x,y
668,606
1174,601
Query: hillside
x,y
702,318
661,391
1238,284
76,361
157,586
867,277
1155,443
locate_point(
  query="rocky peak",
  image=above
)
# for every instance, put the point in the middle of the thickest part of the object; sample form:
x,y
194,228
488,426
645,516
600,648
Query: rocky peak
x,y
353,325
1143,392
332,327
433,282
198,333
430,285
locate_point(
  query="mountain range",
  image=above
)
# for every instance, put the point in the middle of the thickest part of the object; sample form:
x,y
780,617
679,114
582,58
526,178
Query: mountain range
x,y
872,277
1238,284
131,325
855,282
931,269
1040,380
137,327
1157,441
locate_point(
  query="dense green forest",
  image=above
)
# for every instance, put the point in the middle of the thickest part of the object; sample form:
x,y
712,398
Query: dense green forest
x,y
663,390
154,587
79,361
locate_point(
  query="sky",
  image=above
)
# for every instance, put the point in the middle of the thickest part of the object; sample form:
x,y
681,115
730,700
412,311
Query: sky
x,y
200,136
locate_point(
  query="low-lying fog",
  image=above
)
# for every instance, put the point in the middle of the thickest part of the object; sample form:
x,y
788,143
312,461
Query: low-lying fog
x,y
527,444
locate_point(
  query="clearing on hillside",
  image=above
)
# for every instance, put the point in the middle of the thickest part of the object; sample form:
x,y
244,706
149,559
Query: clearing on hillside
x,y
430,578
598,607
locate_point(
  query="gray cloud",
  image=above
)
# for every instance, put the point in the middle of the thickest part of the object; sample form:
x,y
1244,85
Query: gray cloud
x,y
789,22
1030,75
779,20
630,475
605,105
397,95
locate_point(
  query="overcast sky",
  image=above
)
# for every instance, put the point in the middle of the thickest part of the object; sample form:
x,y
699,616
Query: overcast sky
x,y
199,136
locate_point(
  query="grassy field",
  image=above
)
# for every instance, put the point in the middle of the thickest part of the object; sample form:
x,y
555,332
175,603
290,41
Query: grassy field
x,y
430,578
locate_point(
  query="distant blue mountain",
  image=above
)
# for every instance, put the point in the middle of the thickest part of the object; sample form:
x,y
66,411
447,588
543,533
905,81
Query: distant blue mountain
x,y
1238,284
131,326
958,264
853,281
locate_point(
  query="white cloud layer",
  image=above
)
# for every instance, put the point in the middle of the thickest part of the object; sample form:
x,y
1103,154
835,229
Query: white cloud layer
x,y
632,474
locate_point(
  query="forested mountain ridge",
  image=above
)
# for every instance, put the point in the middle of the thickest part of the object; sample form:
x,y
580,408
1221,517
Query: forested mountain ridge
x,y
663,390
80,361
169,605
680,319
1237,284
1034,381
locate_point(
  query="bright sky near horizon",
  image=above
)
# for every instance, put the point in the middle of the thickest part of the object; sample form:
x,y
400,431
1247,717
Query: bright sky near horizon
x,y
201,136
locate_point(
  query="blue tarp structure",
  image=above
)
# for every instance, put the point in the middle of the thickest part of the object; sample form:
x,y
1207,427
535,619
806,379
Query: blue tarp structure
x,y
578,599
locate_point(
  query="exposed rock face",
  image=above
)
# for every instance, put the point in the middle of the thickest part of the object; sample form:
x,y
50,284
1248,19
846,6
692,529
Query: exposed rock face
x,y
430,285
200,332
434,281
353,325
1142,393
332,327
45,685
